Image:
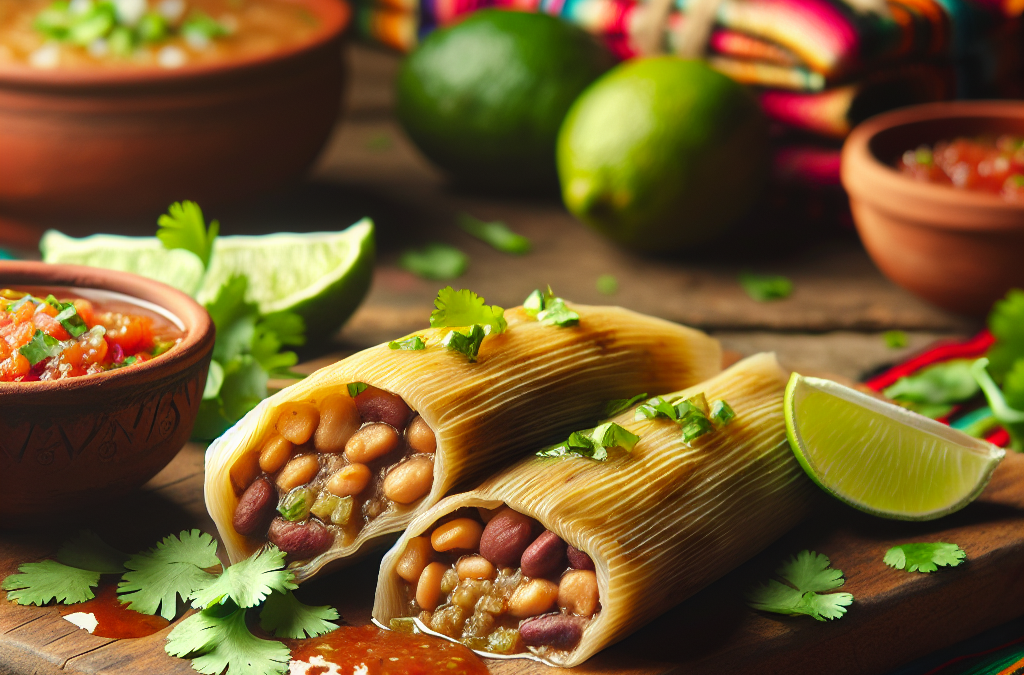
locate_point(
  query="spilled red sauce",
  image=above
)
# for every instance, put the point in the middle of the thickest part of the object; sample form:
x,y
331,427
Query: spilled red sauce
x,y
114,619
381,652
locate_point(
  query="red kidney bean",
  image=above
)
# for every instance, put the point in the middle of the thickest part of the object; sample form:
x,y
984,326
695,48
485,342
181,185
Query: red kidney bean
x,y
506,536
552,630
299,540
578,560
544,557
255,508
376,405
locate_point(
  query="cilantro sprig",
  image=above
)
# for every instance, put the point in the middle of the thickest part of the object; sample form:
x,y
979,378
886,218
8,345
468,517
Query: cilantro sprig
x,y
550,309
807,576
469,316
924,557
766,287
435,261
594,443
693,415
496,234
414,344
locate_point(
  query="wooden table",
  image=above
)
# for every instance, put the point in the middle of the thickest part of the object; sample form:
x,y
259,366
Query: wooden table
x,y
832,322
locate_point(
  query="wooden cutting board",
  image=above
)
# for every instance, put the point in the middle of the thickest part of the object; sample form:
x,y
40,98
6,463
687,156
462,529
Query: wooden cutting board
x,y
896,616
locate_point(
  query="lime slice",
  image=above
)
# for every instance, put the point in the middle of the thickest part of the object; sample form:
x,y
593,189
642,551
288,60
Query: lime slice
x,y
881,458
322,276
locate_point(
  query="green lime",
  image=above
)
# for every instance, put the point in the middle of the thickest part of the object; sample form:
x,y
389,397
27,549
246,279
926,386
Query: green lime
x,y
484,98
661,154
322,276
881,458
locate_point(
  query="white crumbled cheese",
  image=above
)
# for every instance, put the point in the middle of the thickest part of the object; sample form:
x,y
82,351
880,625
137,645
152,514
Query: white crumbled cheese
x,y
130,12
99,48
303,667
47,56
171,57
172,10
86,620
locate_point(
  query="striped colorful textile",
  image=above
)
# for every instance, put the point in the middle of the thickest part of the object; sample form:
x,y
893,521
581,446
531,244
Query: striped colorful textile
x,y
999,651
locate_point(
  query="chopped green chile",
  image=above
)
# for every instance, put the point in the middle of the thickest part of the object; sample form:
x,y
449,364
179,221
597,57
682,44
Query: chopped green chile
x,y
333,509
296,504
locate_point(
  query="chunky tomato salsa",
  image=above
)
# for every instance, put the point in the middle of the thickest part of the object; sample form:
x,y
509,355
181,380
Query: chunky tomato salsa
x,y
52,336
993,165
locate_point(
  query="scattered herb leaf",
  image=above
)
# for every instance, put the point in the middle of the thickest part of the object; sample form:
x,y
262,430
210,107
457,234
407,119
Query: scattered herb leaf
x,y
607,284
1006,322
219,643
808,575
615,406
550,309
40,348
183,227
940,384
766,287
356,388
284,616
458,309
174,567
435,261
926,557
414,344
895,339
496,234
69,318
202,26
40,582
721,413
594,443
1009,417
247,583
466,341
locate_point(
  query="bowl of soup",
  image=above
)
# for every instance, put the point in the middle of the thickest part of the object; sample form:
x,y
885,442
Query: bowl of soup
x,y
101,376
937,195
120,107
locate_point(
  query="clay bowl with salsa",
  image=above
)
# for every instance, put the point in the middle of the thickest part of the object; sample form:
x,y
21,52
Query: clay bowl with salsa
x,y
119,108
101,376
937,194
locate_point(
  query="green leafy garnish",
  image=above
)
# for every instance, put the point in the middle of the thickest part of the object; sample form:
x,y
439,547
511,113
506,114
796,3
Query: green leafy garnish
x,y
693,415
462,308
415,344
174,567
1000,402
68,317
593,443
39,583
766,287
721,413
40,348
285,616
942,383
496,234
550,309
695,427
202,26
465,341
296,504
808,575
895,339
218,643
615,406
435,261
248,583
607,284
183,227
926,557
88,552
356,388
1006,322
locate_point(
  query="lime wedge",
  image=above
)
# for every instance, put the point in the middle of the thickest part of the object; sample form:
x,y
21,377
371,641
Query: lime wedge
x,y
322,276
881,458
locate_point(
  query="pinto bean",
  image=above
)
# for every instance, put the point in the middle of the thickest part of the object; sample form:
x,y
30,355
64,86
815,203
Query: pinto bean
x,y
244,471
371,442
461,533
298,471
275,453
297,421
535,597
545,556
410,480
255,508
428,588
376,405
474,567
578,593
420,437
579,560
560,631
414,559
506,536
299,540
339,419
349,480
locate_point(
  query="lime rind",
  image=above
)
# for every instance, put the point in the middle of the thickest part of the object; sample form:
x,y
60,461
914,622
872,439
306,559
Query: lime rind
x,y
916,468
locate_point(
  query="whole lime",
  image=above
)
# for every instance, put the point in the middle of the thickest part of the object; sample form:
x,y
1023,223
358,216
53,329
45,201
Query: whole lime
x,y
661,154
484,99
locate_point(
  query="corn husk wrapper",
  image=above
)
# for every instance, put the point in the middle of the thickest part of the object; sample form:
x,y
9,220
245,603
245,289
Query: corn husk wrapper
x,y
529,385
660,522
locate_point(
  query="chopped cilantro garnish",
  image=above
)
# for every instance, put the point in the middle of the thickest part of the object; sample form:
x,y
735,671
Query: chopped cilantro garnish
x,y
39,583
458,309
895,339
549,309
607,284
721,413
415,344
203,26
925,557
697,426
68,317
435,261
40,348
16,305
615,406
285,616
594,443
465,341
174,567
808,575
128,361
496,234
693,415
183,227
765,287
356,388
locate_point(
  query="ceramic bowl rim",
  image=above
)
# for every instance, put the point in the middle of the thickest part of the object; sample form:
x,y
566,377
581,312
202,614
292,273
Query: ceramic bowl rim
x,y
196,343
335,14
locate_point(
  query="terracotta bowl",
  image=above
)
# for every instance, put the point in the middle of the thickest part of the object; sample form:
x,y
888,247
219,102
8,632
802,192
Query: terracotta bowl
x,y
69,444
957,249
128,142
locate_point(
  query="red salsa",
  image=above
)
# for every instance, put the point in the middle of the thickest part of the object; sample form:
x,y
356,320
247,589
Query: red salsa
x,y
53,336
106,616
983,164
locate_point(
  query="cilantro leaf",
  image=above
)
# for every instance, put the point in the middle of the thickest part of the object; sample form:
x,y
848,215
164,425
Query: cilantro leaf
x,y
607,284
1006,322
594,443
766,287
894,339
458,309
465,342
202,26
615,406
285,616
496,234
270,333
924,557
223,644
247,583
88,552
808,574
435,261
721,413
40,348
940,384
40,582
174,567
183,227
1011,418
356,388
415,344
549,309
69,318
